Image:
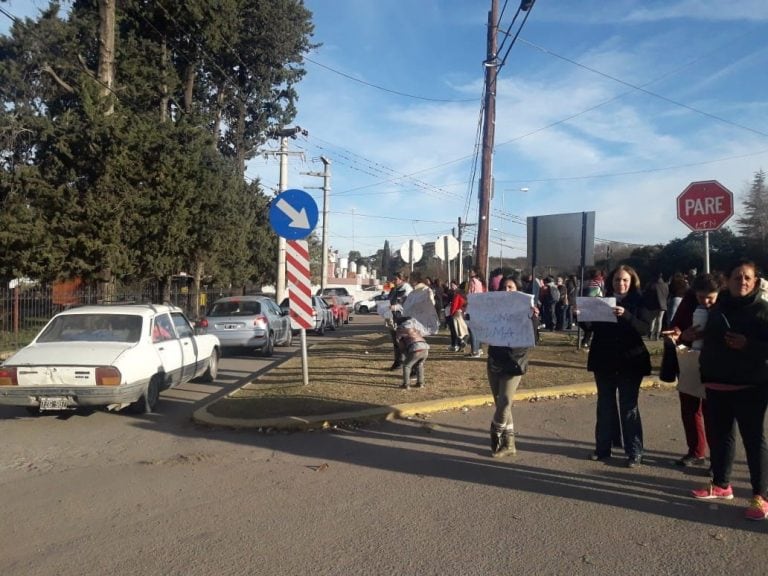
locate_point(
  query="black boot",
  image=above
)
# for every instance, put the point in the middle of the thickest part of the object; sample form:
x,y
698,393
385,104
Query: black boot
x,y
507,447
495,440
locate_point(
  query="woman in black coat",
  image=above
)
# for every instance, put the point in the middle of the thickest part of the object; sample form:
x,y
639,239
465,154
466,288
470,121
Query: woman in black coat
x,y
619,360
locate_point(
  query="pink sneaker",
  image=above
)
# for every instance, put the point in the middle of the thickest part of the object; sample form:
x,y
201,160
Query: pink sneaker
x,y
757,509
713,492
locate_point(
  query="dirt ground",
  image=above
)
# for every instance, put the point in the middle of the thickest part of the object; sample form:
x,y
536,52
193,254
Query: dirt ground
x,y
347,374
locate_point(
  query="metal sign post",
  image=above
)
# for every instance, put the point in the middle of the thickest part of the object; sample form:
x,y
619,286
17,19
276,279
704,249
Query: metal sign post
x,y
293,215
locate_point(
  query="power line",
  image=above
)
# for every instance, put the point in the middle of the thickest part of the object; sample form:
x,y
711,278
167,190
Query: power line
x,y
643,90
635,172
382,88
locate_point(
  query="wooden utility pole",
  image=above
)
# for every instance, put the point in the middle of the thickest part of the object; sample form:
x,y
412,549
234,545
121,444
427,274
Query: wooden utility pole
x,y
489,129
106,71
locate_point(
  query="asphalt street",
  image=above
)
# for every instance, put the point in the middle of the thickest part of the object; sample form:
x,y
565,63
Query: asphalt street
x,y
100,493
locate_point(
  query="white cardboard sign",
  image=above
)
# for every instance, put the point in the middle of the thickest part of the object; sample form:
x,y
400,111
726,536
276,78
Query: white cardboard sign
x,y
502,318
419,305
591,309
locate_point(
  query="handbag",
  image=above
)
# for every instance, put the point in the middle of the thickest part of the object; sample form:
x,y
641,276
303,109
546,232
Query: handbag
x,y
461,325
669,365
689,380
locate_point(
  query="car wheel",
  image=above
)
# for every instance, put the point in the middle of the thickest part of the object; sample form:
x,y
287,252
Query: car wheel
x,y
213,367
32,410
363,309
321,330
148,400
269,347
289,339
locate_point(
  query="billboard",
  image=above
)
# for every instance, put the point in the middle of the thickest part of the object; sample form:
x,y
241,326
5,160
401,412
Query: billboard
x,y
562,240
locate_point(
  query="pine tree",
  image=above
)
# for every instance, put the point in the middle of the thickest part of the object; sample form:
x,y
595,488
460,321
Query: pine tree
x,y
753,224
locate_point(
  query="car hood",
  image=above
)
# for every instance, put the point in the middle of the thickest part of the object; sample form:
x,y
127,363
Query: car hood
x,y
69,353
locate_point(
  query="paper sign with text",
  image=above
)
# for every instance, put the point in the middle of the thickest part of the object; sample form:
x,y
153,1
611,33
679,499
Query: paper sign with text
x,y
596,309
502,318
419,305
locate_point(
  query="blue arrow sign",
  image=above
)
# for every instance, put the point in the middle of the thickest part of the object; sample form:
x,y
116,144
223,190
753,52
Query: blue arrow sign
x,y
293,214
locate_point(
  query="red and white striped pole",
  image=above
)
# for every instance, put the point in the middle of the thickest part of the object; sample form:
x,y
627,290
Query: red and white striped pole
x,y
300,294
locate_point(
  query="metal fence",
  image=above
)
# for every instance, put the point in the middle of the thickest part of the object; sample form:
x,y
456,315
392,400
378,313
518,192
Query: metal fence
x,y
26,308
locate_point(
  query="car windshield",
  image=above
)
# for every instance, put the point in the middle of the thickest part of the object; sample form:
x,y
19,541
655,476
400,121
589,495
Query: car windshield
x,y
93,328
235,308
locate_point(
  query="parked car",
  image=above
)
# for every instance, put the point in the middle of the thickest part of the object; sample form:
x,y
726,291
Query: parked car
x,y
338,309
366,306
108,355
344,296
255,322
321,315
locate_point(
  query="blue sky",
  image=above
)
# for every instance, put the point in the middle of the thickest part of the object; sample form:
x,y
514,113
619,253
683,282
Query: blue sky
x,y
576,138
611,106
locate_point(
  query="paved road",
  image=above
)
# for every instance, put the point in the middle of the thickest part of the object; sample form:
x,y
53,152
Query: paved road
x,y
106,493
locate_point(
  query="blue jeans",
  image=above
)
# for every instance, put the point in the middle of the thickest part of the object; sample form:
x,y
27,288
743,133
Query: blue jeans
x,y
624,416
474,342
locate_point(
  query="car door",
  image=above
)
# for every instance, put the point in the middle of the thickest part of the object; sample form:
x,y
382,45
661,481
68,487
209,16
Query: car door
x,y
283,323
168,348
191,356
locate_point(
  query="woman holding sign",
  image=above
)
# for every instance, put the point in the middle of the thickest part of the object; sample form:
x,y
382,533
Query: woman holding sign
x,y
619,360
506,367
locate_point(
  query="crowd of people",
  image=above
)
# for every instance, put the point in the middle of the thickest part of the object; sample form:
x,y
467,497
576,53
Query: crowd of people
x,y
716,326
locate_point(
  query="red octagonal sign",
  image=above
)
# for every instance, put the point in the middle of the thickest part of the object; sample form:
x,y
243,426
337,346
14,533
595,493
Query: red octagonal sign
x,y
705,206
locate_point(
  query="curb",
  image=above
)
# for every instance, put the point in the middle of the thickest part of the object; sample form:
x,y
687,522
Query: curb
x,y
398,411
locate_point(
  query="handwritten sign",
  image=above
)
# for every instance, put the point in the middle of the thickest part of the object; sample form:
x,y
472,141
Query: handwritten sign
x,y
420,306
596,309
502,318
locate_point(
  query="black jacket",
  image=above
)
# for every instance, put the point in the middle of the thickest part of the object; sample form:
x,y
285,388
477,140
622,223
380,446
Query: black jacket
x,y
619,348
722,365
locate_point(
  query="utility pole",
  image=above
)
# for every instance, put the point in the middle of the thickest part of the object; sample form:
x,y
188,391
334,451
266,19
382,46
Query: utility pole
x,y
283,153
489,129
326,176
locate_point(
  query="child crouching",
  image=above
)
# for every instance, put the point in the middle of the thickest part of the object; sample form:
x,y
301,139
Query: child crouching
x,y
413,350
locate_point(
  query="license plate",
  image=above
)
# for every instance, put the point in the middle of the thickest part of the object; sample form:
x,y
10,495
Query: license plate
x,y
230,327
54,403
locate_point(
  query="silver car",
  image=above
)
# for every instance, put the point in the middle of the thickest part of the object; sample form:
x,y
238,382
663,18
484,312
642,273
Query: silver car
x,y
321,314
248,322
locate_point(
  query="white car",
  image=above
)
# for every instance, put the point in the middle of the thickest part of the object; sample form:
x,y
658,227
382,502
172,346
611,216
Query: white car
x,y
367,306
109,355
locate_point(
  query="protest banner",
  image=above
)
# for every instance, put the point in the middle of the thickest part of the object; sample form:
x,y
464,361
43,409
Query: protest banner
x,y
502,318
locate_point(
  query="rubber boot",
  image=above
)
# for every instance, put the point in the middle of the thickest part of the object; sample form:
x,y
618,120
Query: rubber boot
x,y
507,447
495,441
